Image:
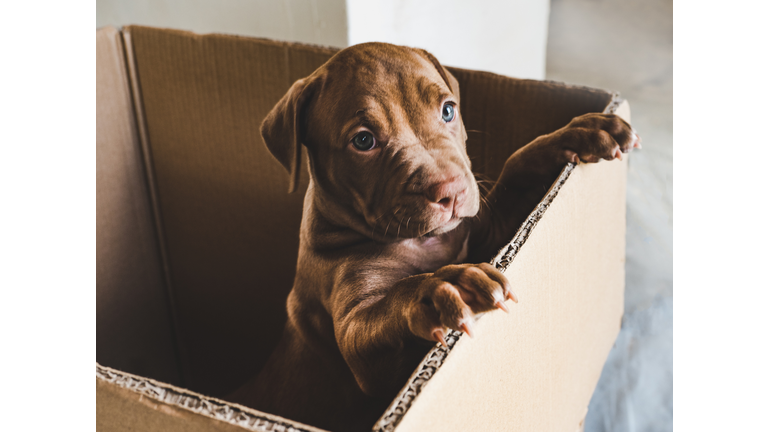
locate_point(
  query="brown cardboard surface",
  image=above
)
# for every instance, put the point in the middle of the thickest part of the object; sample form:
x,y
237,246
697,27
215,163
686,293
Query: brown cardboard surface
x,y
536,368
119,409
126,402
133,330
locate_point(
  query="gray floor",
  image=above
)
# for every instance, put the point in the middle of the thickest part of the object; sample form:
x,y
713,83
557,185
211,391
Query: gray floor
x,y
626,46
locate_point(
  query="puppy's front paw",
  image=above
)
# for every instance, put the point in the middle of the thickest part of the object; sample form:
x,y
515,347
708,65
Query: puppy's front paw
x,y
452,296
592,137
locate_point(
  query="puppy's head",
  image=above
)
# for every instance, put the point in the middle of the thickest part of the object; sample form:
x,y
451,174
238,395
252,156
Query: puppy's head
x,y
386,143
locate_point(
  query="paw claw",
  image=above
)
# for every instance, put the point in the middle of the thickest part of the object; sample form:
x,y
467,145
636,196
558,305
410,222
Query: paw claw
x,y
572,156
439,336
500,304
617,153
512,296
466,327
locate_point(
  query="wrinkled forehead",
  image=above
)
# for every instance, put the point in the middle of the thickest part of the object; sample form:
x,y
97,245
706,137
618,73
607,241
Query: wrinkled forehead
x,y
366,76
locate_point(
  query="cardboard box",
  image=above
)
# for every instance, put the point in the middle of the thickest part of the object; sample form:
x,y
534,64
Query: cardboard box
x,y
197,242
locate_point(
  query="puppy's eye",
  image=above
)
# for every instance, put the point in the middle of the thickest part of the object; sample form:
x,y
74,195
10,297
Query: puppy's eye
x,y
449,112
364,141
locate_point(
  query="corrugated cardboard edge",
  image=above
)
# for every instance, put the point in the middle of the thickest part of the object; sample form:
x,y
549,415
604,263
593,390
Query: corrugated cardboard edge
x,y
437,356
217,409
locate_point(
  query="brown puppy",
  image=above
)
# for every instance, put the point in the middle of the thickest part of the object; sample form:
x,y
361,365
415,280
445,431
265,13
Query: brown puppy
x,y
391,212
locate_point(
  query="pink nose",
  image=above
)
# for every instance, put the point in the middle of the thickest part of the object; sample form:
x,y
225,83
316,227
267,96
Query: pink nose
x,y
447,195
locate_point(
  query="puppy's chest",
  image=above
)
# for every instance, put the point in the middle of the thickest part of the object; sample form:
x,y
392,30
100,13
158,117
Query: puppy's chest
x,y
431,253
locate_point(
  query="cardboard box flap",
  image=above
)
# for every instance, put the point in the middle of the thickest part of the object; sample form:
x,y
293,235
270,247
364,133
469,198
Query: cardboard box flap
x,y
126,402
541,377
133,328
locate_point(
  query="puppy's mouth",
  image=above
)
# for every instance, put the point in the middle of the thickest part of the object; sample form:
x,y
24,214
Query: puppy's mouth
x,y
449,226
414,229
424,211
414,219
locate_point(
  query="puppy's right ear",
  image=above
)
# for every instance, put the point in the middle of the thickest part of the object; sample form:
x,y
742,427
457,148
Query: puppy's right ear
x,y
282,129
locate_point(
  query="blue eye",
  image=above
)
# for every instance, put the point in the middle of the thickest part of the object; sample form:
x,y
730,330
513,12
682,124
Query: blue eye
x,y
449,112
364,141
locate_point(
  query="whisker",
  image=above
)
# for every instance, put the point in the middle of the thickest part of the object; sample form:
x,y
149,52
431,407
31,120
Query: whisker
x,y
390,221
484,201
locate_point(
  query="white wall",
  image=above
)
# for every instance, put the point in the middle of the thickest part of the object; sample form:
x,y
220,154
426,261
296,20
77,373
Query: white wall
x,y
322,22
507,37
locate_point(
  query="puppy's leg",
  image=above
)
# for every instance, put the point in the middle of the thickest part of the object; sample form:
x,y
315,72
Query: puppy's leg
x,y
381,336
530,171
452,296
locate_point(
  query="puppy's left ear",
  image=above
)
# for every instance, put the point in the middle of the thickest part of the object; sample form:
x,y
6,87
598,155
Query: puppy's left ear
x,y
449,79
282,129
